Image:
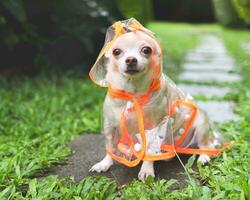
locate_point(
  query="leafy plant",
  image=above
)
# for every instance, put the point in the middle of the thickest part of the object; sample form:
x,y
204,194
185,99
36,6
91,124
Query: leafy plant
x,y
141,9
226,13
55,29
243,9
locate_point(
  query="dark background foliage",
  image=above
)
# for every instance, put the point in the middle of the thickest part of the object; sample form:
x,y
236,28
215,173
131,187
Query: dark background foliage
x,y
226,13
61,32
184,10
40,35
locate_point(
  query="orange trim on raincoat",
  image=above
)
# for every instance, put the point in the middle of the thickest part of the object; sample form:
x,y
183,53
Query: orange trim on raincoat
x,y
169,150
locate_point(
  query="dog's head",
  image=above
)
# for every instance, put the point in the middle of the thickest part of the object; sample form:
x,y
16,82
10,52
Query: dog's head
x,y
133,55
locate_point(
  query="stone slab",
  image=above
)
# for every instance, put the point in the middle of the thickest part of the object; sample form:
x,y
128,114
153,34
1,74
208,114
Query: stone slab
x,y
211,59
208,66
215,56
209,77
210,48
211,43
89,149
218,111
203,90
246,46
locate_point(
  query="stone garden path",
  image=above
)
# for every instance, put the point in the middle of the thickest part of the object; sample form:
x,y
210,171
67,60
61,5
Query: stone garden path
x,y
204,67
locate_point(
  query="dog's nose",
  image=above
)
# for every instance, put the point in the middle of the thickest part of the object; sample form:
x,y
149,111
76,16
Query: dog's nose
x,y
131,61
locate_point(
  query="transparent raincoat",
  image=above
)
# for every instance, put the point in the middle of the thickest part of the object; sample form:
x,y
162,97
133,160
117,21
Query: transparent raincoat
x,y
156,125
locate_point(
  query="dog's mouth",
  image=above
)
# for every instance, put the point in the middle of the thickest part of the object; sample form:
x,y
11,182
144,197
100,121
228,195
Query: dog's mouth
x,y
132,71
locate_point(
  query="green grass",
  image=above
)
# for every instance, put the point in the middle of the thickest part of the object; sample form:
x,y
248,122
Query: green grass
x,y
38,118
40,115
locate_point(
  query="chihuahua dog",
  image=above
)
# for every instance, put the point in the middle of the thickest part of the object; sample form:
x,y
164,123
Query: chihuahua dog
x,y
128,65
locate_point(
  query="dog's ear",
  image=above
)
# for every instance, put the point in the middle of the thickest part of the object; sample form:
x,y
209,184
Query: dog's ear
x,y
99,71
158,49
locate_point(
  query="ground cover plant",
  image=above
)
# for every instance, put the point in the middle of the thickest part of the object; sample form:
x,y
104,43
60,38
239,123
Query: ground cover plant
x,y
39,115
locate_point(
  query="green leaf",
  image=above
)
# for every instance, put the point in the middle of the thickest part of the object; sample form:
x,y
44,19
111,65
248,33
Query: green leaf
x,y
190,161
16,7
149,180
32,188
2,20
6,193
171,182
77,198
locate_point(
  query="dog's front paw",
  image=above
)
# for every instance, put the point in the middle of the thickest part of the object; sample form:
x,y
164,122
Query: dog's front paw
x,y
147,169
203,159
143,174
103,165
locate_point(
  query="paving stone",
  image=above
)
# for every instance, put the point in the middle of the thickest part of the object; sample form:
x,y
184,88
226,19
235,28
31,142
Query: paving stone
x,y
89,149
221,55
206,51
203,90
218,111
246,46
209,48
195,57
208,66
209,77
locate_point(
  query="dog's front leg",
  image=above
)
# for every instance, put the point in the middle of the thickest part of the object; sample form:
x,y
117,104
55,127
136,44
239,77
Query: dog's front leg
x,y
103,165
202,128
107,161
147,169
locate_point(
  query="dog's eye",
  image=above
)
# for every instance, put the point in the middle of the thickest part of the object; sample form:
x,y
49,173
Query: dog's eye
x,y
146,50
117,52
